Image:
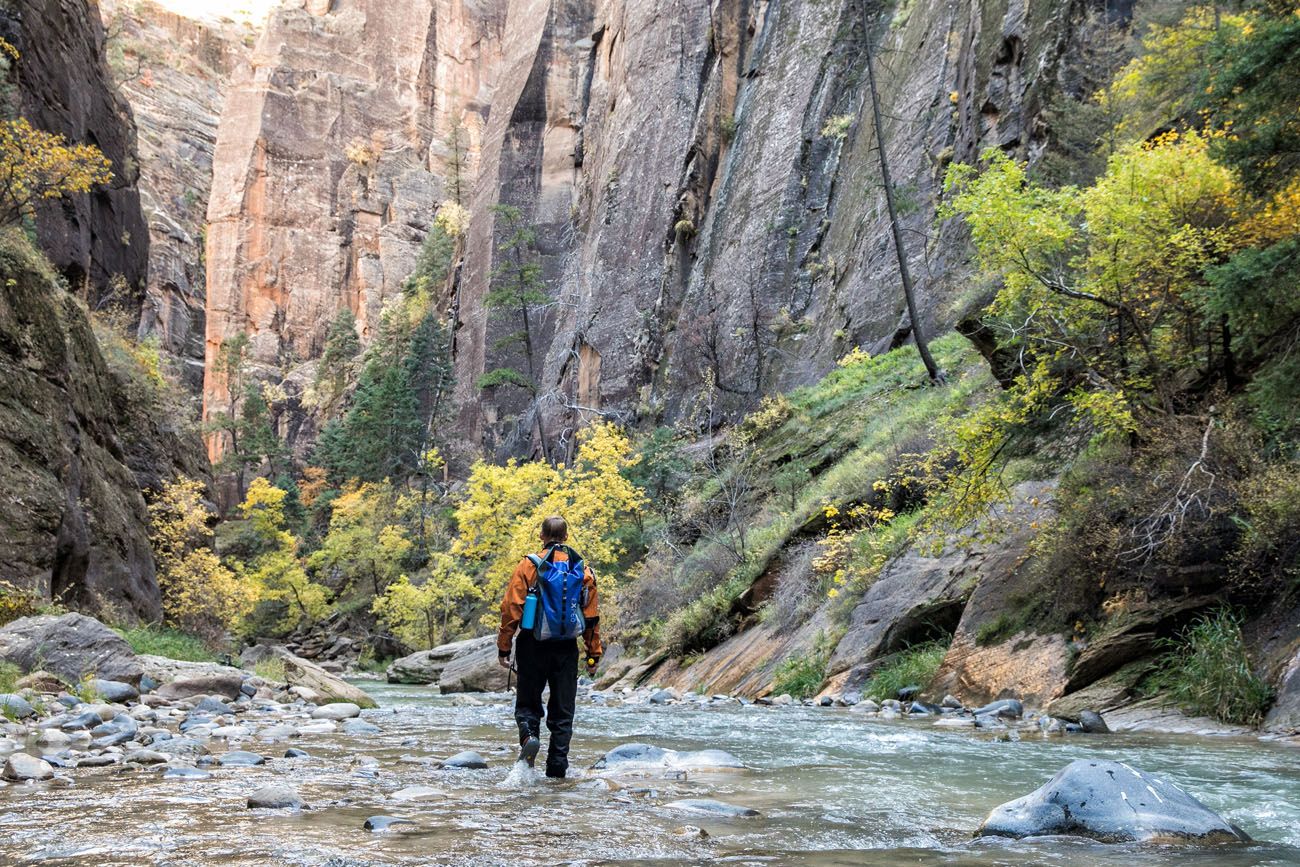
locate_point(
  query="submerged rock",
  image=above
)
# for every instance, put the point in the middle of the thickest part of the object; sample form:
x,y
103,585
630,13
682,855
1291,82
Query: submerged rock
x,y
417,793
383,823
647,756
1111,802
710,807
1092,723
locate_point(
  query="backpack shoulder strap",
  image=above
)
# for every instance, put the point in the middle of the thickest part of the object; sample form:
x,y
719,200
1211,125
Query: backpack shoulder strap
x,y
537,562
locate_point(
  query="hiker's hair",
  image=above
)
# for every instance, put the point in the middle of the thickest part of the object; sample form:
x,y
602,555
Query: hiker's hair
x,y
555,529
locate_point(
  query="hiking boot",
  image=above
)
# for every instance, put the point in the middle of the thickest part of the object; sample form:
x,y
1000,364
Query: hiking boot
x,y
555,773
528,749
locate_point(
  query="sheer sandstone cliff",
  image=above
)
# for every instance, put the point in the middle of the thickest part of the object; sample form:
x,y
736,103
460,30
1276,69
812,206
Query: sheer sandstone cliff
x,y
705,193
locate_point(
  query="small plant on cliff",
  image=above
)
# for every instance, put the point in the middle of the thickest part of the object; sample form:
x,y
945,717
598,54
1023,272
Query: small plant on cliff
x,y
915,666
16,602
1207,671
37,166
802,676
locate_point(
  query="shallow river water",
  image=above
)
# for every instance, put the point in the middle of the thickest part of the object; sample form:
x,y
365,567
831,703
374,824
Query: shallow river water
x,y
832,788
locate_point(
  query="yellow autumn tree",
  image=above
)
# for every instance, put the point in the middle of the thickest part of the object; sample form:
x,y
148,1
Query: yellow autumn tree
x,y
428,613
504,507
36,165
199,594
367,539
276,571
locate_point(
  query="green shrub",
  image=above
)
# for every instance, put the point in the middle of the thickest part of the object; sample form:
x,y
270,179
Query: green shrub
x,y
800,676
1207,671
159,641
9,675
915,666
270,669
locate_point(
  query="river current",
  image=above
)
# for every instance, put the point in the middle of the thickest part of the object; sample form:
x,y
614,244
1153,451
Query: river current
x,y
831,787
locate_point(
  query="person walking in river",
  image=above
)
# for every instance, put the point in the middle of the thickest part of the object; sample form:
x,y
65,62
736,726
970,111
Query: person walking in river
x,y
550,601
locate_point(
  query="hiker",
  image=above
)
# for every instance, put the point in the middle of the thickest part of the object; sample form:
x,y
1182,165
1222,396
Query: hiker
x,y
562,607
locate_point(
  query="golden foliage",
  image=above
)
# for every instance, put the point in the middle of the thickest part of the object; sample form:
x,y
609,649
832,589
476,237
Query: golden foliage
x,y
36,165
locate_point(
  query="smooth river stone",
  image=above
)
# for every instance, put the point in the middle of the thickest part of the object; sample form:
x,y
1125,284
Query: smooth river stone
x,y
647,756
383,823
15,706
468,759
275,797
21,767
337,711
240,759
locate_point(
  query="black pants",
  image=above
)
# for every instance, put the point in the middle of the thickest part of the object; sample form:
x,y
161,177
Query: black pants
x,y
542,664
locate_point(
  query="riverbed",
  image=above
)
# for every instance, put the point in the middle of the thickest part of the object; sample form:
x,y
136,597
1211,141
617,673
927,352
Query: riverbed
x,y
831,788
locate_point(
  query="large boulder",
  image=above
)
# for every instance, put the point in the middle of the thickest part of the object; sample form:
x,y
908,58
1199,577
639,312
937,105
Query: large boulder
x,y
426,666
476,670
1111,802
164,670
300,672
226,685
69,645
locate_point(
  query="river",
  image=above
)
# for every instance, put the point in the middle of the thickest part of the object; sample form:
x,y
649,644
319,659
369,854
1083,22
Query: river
x,y
832,788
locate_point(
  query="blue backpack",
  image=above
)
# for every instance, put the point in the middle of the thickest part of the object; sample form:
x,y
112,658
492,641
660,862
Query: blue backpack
x,y
561,595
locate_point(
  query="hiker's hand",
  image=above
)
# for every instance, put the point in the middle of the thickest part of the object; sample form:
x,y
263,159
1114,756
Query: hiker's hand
x,y
503,661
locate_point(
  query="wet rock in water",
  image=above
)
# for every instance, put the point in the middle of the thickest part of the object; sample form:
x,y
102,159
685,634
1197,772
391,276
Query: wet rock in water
x,y
426,666
21,767
1092,723
468,759
294,753
87,720
955,722
240,759
181,747
231,733
889,713
360,727
987,721
275,797
114,690
53,738
951,702
1111,802
868,706
212,705
690,832
637,756
100,761
709,807
224,685
1006,708
892,704
319,727
15,706
186,773
69,645
825,701
278,732
850,699
145,757
662,696
784,700
337,711
111,740
417,793
383,823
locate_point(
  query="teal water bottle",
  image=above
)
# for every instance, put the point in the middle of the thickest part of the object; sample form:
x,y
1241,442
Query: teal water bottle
x,y
529,620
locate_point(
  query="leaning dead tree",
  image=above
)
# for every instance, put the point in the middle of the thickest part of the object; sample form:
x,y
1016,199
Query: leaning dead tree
x,y
909,289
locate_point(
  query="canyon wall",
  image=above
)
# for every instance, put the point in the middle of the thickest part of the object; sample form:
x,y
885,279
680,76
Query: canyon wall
x,y
331,160
62,84
175,70
703,186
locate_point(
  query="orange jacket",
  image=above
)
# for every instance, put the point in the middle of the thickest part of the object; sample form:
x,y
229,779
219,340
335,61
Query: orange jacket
x,y
512,606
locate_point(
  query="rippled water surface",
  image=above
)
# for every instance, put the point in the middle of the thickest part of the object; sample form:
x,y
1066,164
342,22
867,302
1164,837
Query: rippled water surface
x,y
832,787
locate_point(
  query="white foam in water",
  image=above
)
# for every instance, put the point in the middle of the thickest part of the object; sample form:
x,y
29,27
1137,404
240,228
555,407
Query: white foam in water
x,y
520,777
